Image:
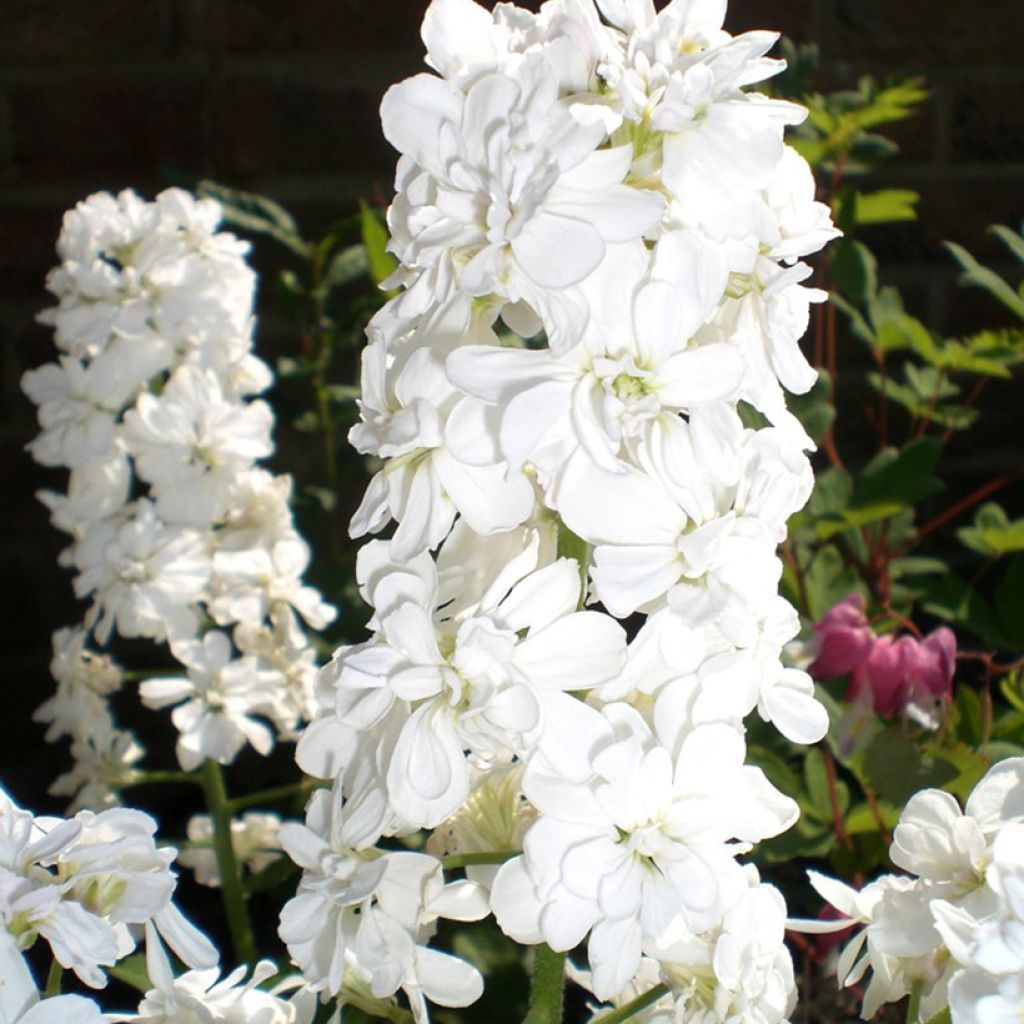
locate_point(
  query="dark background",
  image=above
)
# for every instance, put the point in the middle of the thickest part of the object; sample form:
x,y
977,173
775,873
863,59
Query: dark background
x,y
282,99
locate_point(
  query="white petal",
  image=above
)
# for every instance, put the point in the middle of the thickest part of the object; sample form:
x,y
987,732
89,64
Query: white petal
x,y
555,251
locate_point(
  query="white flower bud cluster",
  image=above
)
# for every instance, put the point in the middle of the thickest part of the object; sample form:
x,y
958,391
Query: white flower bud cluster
x,y
172,522
599,232
89,886
953,926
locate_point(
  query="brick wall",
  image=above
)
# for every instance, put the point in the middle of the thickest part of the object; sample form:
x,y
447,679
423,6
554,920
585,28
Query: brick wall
x,y
283,98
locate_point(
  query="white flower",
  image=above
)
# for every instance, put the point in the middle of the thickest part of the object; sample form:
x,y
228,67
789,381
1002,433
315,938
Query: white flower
x,y
644,361
738,971
84,680
203,997
145,576
642,851
221,695
443,445
192,442
254,838
502,192
105,759
490,680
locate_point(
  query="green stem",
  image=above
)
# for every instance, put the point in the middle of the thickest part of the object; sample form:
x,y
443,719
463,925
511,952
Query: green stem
x,y
571,546
219,806
377,1008
914,1003
53,980
276,794
633,1006
462,860
144,778
547,986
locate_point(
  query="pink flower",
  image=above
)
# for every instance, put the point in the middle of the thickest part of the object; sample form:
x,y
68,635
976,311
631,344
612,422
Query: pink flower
x,y
902,674
844,638
907,675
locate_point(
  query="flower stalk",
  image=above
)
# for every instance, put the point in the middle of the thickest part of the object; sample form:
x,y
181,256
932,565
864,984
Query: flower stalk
x,y
547,986
633,1007
219,806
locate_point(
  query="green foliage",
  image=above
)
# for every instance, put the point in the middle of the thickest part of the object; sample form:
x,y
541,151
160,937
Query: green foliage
x,y
979,276
257,214
375,239
993,533
132,971
840,127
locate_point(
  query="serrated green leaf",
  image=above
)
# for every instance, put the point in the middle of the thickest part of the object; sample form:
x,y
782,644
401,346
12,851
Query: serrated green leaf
x,y
957,417
992,532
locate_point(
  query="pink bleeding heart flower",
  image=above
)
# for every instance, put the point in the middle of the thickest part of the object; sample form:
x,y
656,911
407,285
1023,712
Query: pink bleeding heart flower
x,y
844,639
908,676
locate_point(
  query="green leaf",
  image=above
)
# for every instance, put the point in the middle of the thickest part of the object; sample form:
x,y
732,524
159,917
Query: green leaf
x,y
955,416
967,767
132,971
861,818
1011,239
819,800
774,766
903,476
855,271
834,523
375,240
885,206
271,876
1009,602
968,707
894,768
257,214
953,599
981,277
828,579
813,409
993,533
944,1016
347,265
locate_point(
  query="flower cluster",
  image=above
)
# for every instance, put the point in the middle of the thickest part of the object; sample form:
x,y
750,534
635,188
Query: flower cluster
x,y
578,398
89,886
952,928
892,674
172,523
